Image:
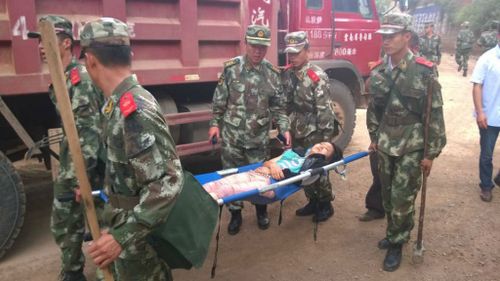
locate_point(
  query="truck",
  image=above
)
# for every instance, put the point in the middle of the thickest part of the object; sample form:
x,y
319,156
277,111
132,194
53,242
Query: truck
x,y
179,48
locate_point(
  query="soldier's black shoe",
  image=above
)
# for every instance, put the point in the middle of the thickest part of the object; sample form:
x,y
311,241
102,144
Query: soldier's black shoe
x,y
384,244
497,179
323,212
393,257
262,218
307,210
371,215
465,73
235,223
459,68
72,276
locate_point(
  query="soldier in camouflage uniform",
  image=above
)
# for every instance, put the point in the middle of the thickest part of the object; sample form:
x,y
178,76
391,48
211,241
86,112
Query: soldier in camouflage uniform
x,y
143,172
67,220
312,119
398,87
430,44
488,38
248,96
465,41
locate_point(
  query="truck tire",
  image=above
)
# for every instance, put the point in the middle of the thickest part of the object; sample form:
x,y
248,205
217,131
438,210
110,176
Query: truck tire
x,y
12,204
345,111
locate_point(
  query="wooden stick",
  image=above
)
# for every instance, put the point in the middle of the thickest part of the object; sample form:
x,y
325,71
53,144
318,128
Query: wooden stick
x,y
51,46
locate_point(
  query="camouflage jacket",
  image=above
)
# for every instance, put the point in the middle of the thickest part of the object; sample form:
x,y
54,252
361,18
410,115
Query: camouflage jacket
x,y
246,100
142,161
488,40
396,124
309,101
86,101
430,47
465,39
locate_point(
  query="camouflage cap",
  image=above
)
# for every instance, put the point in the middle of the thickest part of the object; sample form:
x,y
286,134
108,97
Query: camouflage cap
x,y
394,23
429,23
258,35
465,24
61,25
104,32
296,41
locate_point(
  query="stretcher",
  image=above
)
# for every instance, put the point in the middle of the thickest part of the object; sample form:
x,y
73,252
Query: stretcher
x,y
282,189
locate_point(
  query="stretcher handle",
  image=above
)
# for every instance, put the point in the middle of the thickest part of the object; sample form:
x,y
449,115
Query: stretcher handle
x,y
239,196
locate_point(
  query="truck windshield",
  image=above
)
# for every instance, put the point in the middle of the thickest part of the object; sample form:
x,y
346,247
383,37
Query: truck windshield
x,y
361,7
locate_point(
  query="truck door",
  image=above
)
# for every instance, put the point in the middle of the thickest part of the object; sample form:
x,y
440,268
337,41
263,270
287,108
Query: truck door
x,y
355,24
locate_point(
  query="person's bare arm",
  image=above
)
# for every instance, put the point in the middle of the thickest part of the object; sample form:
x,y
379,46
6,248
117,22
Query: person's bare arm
x,y
477,96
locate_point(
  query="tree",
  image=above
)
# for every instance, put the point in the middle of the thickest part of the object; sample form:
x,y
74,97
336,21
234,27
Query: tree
x,y
479,13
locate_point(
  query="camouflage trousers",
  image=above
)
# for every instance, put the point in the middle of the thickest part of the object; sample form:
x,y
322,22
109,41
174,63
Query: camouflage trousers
x,y
235,156
321,190
67,225
462,58
401,178
139,262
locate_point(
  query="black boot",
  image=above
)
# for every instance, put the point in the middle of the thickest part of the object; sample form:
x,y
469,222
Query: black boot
x,y
393,257
459,68
234,225
384,244
307,210
323,212
72,276
262,218
497,179
465,73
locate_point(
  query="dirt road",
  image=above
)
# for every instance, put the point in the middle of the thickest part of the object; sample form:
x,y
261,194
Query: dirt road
x,y
462,233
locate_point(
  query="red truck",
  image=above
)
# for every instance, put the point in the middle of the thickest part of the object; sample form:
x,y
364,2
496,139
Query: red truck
x,y
179,49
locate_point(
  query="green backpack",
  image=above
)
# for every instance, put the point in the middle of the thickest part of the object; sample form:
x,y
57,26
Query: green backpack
x,y
184,239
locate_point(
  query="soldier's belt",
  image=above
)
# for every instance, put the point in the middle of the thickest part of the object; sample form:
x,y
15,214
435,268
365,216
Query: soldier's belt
x,y
119,201
397,120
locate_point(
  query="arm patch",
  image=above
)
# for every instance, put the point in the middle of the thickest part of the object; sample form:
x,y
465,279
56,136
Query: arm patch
x,y
314,77
74,76
231,62
127,104
423,61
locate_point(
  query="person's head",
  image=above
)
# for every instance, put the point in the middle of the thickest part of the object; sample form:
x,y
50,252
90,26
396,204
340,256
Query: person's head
x,y
494,25
396,33
64,32
297,48
465,25
429,27
257,39
323,148
105,45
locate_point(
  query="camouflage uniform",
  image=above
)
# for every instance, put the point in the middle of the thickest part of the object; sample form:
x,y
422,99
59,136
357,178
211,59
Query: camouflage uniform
x,y
312,119
487,40
143,173
465,41
395,124
430,48
245,101
67,220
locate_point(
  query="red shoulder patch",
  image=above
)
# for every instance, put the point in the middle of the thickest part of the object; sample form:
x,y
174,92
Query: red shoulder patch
x,y
313,75
74,76
423,61
127,104
374,64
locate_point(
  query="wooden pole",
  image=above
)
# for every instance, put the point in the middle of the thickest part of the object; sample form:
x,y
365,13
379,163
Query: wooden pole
x,y
51,46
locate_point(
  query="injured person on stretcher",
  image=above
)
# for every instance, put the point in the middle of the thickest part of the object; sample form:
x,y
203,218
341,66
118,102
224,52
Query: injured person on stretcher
x,y
290,163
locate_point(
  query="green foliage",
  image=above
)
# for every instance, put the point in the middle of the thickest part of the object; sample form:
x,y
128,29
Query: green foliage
x,y
480,14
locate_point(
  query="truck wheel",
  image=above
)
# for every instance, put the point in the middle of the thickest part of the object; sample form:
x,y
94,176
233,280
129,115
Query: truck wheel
x,y
12,204
345,111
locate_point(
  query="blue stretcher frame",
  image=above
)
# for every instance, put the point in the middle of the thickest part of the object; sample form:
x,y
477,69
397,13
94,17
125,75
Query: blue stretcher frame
x,y
282,189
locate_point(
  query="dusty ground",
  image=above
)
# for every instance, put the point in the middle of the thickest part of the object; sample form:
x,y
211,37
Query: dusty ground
x,y
462,233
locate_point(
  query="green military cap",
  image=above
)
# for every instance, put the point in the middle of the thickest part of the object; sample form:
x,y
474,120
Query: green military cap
x,y
61,25
429,23
296,41
394,23
104,32
258,35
